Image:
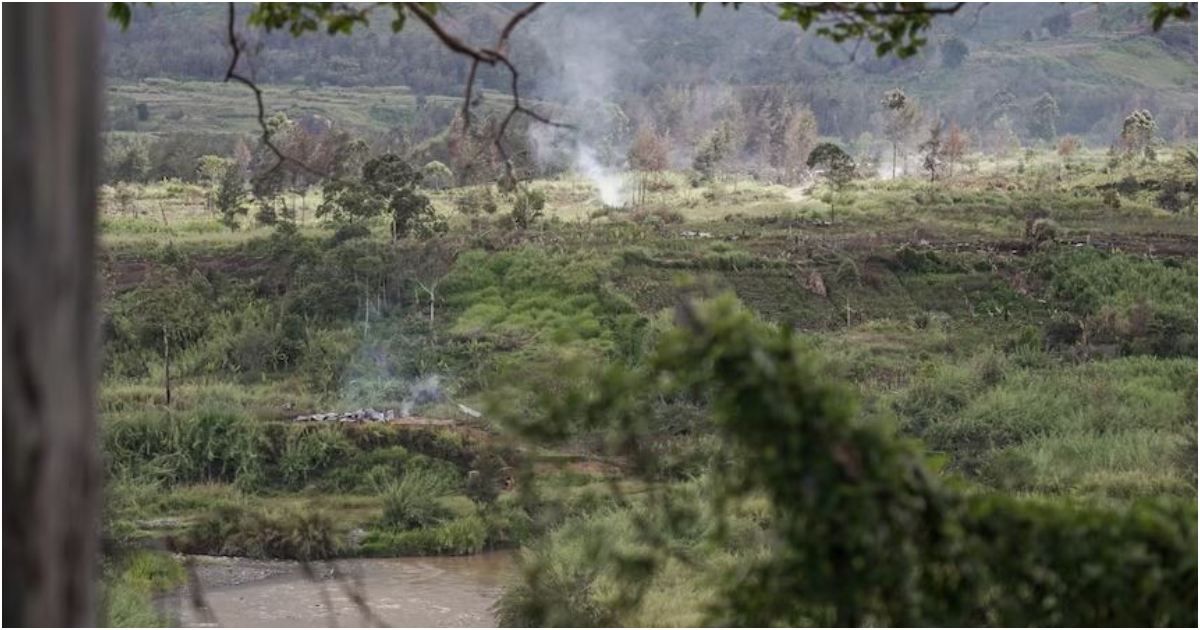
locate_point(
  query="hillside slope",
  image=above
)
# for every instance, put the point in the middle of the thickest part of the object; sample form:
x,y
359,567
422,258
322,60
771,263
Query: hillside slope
x,y
1106,63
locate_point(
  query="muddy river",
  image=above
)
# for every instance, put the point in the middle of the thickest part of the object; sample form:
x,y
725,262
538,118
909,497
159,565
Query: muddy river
x,y
403,592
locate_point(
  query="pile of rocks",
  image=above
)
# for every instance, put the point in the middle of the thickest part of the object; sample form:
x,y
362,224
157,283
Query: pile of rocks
x,y
358,415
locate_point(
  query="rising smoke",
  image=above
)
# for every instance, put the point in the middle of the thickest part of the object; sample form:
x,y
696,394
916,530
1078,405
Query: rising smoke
x,y
588,52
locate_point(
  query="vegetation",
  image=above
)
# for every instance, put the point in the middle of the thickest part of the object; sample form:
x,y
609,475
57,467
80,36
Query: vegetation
x,y
773,379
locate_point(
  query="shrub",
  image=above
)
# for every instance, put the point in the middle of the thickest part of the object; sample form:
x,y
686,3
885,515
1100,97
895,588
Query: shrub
x,y
310,451
1040,230
291,535
412,502
266,216
1146,306
476,201
527,207
460,536
349,231
913,260
324,358
485,479
863,532
199,446
368,472
508,523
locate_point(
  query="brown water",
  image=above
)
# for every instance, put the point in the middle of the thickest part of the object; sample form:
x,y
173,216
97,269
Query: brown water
x,y
403,592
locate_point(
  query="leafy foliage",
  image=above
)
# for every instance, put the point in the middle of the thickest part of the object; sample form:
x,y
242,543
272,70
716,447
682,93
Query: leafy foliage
x,y
388,184
412,503
528,204
713,150
1043,117
238,531
230,196
204,446
1137,131
867,535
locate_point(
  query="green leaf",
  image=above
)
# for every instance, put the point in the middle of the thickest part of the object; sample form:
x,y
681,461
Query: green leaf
x,y
121,13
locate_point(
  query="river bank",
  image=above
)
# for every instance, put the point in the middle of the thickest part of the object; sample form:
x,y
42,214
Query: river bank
x,y
454,591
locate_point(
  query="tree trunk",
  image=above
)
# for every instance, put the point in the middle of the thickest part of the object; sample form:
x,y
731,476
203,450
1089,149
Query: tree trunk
x,y
167,365
52,474
893,160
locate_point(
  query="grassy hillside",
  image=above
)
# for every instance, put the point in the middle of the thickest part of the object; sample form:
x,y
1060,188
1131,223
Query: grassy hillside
x,y
207,107
1107,63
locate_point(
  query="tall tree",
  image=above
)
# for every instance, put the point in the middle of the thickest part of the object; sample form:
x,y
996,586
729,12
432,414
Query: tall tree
x,y
957,143
388,185
230,196
837,167
712,152
1137,132
1043,117
902,118
648,155
933,150
800,137
209,171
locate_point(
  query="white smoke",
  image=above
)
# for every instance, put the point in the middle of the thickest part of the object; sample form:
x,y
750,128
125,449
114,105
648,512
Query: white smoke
x,y
607,181
589,48
422,392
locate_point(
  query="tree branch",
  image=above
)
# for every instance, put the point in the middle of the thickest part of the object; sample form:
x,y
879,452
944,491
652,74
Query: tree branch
x,y
231,74
492,57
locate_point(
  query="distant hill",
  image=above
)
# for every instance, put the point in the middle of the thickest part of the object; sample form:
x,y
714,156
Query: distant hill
x,y
1105,63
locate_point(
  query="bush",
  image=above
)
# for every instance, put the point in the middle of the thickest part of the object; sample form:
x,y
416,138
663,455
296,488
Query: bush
x,y
479,200
863,532
1143,306
1040,230
527,207
368,472
914,260
310,451
460,536
412,502
199,446
289,535
349,231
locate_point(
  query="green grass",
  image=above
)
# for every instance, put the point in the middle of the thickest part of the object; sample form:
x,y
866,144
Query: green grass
x,y
129,585
1111,429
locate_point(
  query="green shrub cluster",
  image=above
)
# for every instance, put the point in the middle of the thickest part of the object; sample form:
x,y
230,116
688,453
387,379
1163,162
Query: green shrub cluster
x,y
238,531
529,294
209,445
412,502
454,537
202,446
1144,306
865,533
